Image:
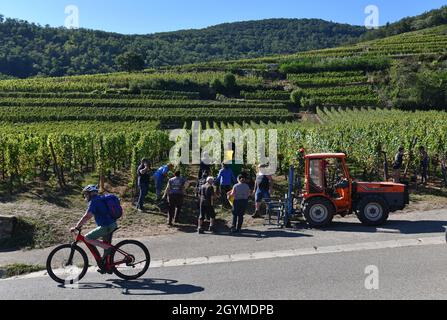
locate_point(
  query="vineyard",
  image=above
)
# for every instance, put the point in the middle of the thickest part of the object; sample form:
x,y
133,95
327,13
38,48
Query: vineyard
x,y
364,135
58,129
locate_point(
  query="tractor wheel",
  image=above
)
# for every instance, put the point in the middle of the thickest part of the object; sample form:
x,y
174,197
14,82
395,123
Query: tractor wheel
x,y
318,212
373,211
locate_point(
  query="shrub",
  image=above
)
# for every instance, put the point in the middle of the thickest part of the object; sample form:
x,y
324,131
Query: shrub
x,y
308,103
297,95
218,86
130,61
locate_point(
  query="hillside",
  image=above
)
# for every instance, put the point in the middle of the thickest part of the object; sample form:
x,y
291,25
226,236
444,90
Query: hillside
x,y
58,132
28,49
407,71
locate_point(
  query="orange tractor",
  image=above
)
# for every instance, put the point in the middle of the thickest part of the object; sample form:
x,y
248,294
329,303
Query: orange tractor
x,y
329,190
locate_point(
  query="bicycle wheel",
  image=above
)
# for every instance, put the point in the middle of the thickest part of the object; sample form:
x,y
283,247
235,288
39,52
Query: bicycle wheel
x,y
67,264
131,259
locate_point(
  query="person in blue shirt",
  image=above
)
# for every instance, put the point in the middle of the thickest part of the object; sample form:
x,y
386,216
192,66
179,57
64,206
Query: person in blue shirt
x,y
106,225
225,179
159,177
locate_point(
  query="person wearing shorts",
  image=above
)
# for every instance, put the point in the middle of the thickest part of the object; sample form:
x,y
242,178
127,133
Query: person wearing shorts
x,y
206,205
106,225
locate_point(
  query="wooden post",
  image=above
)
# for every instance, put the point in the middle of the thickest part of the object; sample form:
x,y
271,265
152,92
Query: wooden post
x,y
56,167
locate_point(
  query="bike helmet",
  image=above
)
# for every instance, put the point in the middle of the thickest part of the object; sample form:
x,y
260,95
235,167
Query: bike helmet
x,y
91,188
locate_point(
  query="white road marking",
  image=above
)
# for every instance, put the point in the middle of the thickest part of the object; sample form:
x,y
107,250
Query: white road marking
x,y
399,243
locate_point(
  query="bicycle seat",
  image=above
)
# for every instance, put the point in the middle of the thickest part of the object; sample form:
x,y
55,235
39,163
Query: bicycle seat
x,y
111,233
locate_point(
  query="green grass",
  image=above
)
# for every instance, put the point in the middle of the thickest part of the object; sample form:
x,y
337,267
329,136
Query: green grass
x,y
18,269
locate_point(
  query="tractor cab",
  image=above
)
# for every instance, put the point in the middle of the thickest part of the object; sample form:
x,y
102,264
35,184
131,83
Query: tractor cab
x,y
327,176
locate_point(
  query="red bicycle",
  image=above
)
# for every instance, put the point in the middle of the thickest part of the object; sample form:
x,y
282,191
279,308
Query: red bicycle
x,y
68,263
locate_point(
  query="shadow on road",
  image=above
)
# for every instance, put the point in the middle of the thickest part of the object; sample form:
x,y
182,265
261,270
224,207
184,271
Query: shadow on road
x,y
394,226
145,287
265,234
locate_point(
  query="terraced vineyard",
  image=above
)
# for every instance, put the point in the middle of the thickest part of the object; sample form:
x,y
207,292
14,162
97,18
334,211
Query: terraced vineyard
x,y
327,75
59,128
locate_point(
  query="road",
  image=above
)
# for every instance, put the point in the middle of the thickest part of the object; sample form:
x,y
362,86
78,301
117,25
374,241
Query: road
x,y
406,259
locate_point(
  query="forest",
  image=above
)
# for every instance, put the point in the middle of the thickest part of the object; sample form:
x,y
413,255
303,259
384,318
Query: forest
x,y
28,49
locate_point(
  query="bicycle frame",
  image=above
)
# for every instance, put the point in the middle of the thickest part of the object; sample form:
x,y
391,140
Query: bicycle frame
x,y
128,259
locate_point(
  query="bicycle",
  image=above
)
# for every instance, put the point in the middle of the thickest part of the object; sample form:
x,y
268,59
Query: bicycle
x,y
68,263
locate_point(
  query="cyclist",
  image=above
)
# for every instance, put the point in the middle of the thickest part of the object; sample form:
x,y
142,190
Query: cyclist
x,y
104,221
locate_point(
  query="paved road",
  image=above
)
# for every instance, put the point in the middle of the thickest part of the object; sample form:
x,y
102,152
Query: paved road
x,y
409,254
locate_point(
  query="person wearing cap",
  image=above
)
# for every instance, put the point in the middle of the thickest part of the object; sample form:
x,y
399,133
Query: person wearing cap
x,y
206,205
241,193
106,225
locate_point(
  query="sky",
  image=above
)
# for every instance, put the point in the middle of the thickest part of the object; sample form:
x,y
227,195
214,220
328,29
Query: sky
x,y
150,16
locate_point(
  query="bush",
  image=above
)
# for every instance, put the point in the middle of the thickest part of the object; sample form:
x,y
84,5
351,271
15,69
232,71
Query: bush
x,y
130,61
134,88
230,82
218,86
296,96
308,104
226,87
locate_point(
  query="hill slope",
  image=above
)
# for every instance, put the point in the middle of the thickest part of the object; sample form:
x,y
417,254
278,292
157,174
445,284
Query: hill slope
x,y
408,71
56,129
28,49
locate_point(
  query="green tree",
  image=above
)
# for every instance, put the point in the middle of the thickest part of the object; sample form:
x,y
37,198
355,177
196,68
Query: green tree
x,y
218,86
230,84
130,61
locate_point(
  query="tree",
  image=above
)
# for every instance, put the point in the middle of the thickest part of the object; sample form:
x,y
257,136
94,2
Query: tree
x,y
230,83
218,86
130,61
